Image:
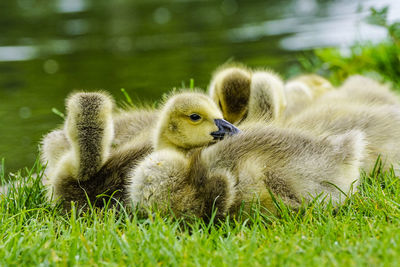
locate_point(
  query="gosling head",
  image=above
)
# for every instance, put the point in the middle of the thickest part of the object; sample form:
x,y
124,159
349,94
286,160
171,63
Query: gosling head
x,y
190,120
310,86
230,89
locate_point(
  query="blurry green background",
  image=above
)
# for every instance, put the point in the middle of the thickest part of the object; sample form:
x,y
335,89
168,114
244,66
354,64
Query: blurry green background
x,y
49,48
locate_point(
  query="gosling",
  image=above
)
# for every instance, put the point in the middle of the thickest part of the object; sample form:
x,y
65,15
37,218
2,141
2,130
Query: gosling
x,y
130,126
302,91
82,162
188,176
192,179
359,104
89,166
244,95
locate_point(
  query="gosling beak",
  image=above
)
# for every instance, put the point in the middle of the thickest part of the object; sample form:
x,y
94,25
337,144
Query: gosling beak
x,y
224,127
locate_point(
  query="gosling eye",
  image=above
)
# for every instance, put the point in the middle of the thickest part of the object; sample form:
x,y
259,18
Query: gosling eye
x,y
195,117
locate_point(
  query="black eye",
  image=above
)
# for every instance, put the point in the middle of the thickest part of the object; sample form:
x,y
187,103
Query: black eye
x,y
195,117
219,103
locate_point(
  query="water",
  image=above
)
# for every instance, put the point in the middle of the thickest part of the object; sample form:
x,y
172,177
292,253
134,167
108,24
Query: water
x,y
50,48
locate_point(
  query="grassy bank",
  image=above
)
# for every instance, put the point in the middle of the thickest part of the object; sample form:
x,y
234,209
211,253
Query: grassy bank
x,y
364,231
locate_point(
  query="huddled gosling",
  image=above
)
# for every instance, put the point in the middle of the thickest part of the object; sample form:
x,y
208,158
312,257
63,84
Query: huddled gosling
x,y
82,162
313,104
302,90
195,162
132,125
188,176
191,179
89,166
359,104
246,95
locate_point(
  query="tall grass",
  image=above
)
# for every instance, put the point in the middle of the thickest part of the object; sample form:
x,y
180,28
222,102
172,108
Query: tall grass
x,y
364,231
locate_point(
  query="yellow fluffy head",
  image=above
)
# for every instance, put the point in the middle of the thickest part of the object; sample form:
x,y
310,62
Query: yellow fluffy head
x,y
315,84
189,120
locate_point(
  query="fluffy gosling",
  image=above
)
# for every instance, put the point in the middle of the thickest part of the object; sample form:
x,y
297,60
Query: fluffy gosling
x,y
89,167
360,104
130,126
246,167
302,90
83,164
244,95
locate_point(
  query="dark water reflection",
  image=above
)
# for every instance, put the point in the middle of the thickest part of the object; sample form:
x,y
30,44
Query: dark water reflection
x,y
49,48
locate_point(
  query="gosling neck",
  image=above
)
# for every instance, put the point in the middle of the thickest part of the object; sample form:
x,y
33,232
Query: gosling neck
x,y
162,142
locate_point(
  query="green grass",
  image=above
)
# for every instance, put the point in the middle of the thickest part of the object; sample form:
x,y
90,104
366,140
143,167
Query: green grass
x,y
364,231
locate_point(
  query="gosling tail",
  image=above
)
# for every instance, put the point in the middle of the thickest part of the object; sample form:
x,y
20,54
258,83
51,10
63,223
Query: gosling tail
x,y
89,129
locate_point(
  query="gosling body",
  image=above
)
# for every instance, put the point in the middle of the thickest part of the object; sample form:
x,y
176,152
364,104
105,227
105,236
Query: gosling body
x,y
314,105
89,166
302,91
130,126
293,164
82,162
360,104
192,173
245,96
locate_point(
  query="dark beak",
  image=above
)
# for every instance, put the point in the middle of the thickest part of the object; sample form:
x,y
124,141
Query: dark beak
x,y
224,127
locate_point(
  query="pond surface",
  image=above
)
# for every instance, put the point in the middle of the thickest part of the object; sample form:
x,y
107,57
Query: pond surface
x,y
50,48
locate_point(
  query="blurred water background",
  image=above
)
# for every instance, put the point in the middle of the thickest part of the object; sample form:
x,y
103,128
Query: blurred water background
x,y
49,48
